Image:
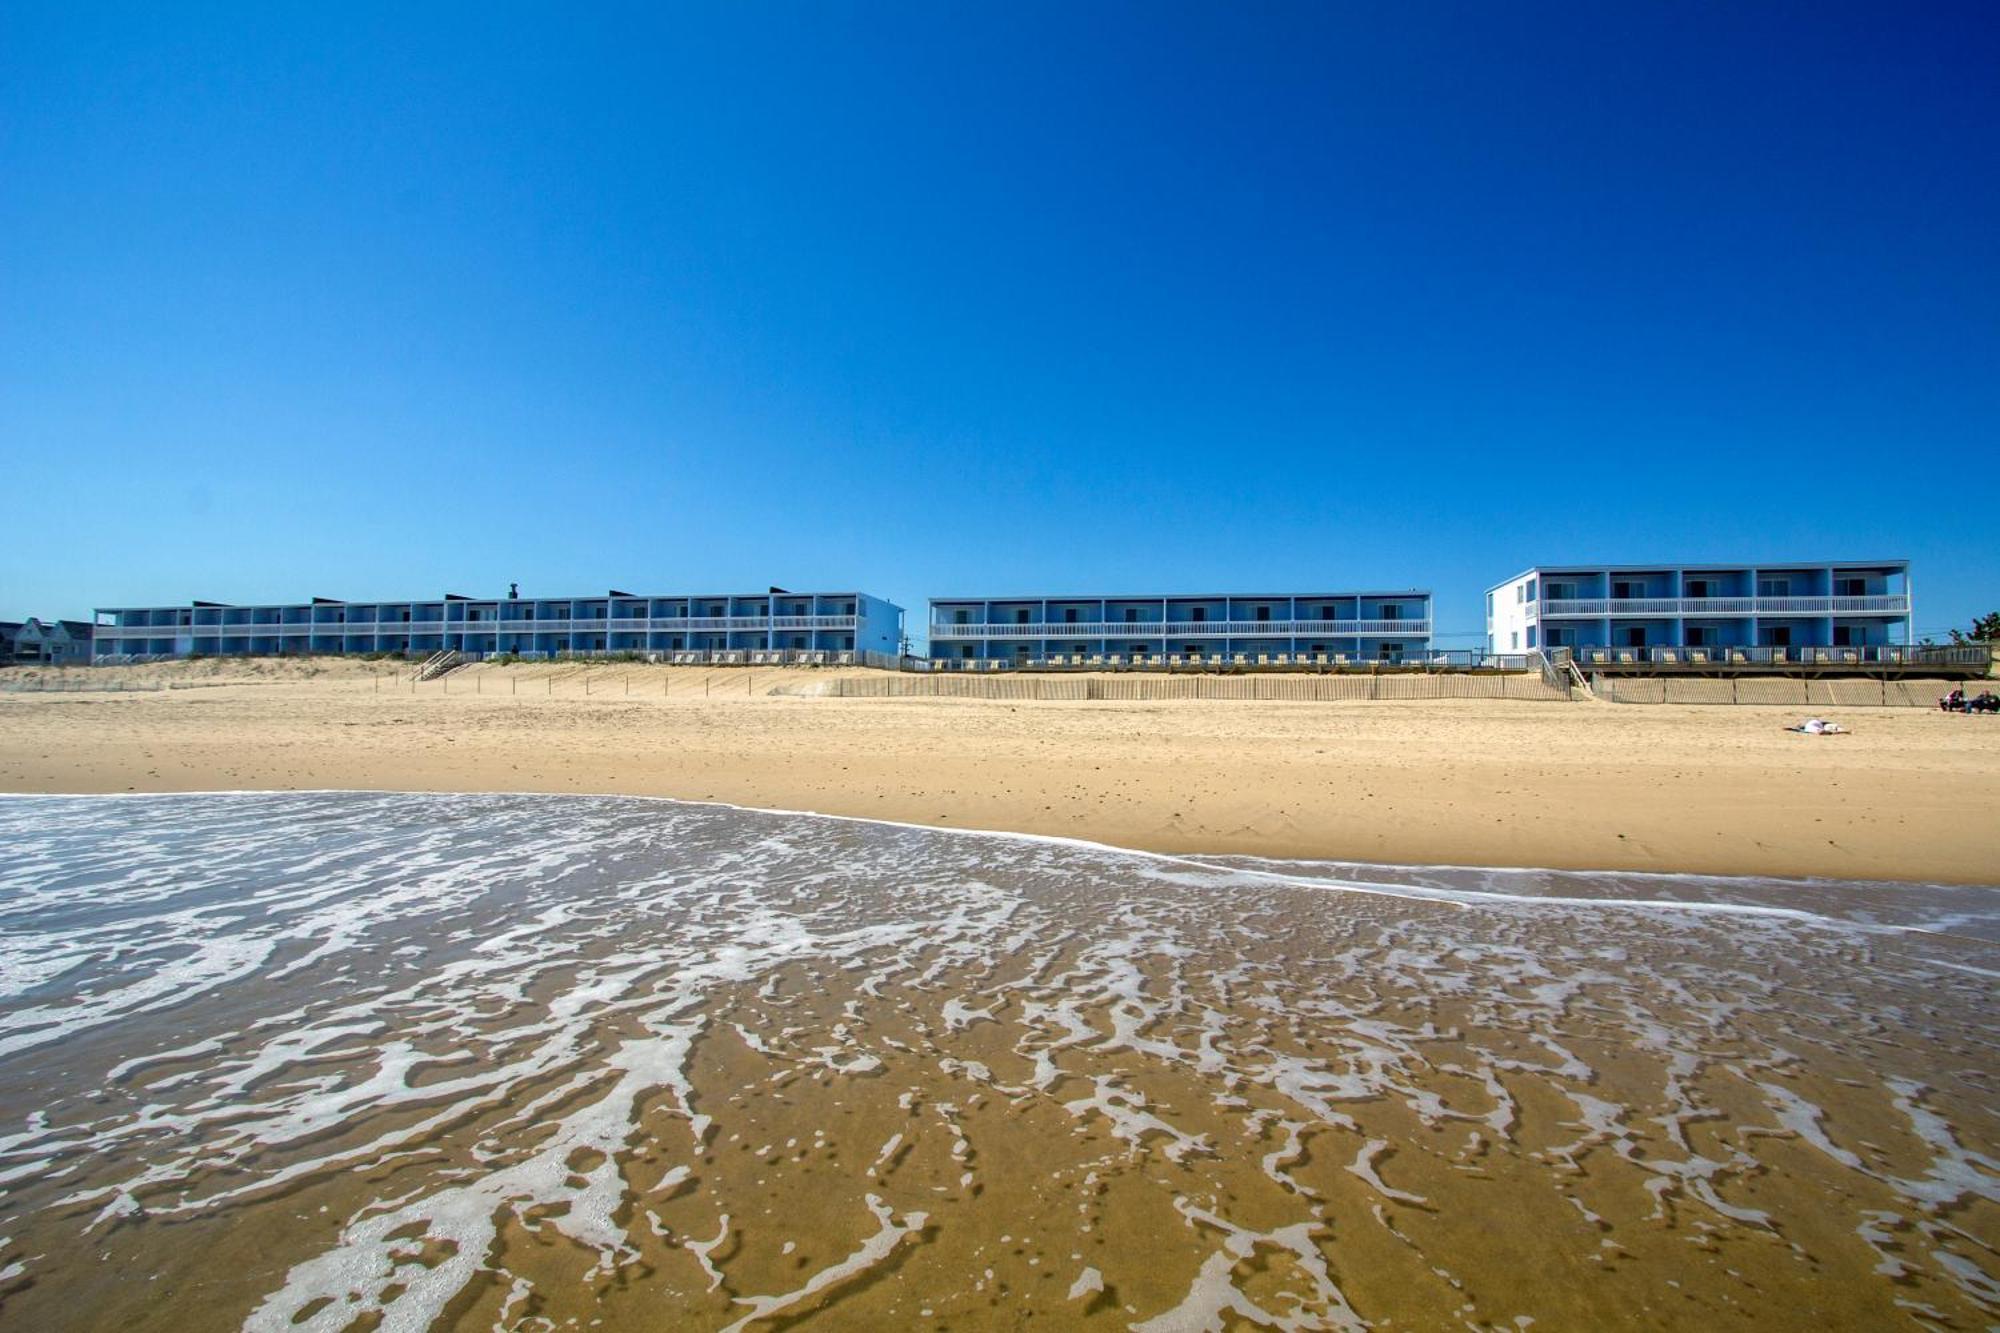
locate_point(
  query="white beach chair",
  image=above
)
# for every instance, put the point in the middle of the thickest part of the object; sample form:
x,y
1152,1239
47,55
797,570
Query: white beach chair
x,y
1698,657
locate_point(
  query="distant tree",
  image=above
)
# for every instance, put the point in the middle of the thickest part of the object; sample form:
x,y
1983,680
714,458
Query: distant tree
x,y
1985,629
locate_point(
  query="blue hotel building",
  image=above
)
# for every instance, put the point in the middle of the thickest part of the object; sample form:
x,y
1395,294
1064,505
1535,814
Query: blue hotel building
x,y
836,623
1854,605
1255,628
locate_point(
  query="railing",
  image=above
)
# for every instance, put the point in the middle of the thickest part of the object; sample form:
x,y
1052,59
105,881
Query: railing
x,y
662,624
1183,629
1891,605
1708,655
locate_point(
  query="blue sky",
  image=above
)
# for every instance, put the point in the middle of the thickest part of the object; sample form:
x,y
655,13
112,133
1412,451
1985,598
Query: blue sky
x,y
934,299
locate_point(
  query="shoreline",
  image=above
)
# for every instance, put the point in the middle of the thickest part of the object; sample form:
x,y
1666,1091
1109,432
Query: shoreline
x,y
1491,784
1191,859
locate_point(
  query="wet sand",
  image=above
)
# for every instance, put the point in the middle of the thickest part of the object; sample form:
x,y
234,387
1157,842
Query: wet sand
x,y
1910,795
338,1062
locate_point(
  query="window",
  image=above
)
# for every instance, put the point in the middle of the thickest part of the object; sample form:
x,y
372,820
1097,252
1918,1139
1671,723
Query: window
x,y
1520,592
1326,612
1531,636
1489,606
1131,615
1842,636
1069,615
1850,587
1561,592
1635,636
1779,636
1698,636
961,617
1514,639
1774,587
1263,613
1391,611
1624,588
1531,590
1698,588
1199,614
1021,616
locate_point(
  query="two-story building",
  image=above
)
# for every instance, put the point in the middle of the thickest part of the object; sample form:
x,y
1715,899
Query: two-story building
x,y
1329,627
1785,604
613,622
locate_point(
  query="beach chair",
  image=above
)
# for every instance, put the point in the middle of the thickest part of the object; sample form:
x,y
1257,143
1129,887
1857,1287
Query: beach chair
x,y
1625,657
1340,659
1736,655
1097,659
1698,656
1850,656
1599,657
1667,657
1242,659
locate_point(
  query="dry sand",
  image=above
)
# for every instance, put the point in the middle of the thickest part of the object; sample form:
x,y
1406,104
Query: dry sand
x,y
1910,795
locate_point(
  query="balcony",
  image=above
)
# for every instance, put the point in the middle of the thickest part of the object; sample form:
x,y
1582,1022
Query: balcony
x,y
1184,629
1894,604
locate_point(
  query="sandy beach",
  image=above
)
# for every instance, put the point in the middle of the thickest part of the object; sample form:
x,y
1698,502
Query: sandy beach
x,y
1909,795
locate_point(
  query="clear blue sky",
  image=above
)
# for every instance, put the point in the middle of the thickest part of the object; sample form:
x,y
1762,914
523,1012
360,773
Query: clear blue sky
x,y
929,299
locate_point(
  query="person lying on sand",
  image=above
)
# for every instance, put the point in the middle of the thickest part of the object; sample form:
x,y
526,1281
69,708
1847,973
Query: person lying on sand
x,y
1816,726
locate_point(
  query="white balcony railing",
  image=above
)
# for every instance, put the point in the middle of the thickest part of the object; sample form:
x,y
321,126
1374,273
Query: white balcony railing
x,y
1183,629
622,625
1893,604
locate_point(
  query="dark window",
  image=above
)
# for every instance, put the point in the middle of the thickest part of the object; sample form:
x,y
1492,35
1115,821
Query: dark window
x,y
1774,587
1069,615
1850,587
1390,611
1841,635
1780,636
1326,612
1531,590
1021,616
1263,613
1697,588
960,617
1635,636
1200,614
1131,614
1623,589
1697,636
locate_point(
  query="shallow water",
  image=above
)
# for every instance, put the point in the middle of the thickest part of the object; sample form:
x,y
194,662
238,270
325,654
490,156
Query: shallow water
x,y
335,1061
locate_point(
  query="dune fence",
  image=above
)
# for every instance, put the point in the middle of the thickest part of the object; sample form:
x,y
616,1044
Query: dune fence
x,y
1147,689
1782,691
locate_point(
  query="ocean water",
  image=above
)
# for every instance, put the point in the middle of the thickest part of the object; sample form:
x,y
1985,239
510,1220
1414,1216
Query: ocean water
x,y
348,1061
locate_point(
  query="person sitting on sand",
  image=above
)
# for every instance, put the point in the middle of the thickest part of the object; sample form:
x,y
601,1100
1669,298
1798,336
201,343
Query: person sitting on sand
x,y
1953,702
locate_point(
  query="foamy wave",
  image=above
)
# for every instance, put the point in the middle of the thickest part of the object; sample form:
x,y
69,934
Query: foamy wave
x,y
495,1060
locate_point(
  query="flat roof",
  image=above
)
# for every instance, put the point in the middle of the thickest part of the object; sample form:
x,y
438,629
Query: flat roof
x,y
460,597
1708,566
1191,596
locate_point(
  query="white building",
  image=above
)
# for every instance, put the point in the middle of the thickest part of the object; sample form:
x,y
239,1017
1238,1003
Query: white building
x,y
1649,611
